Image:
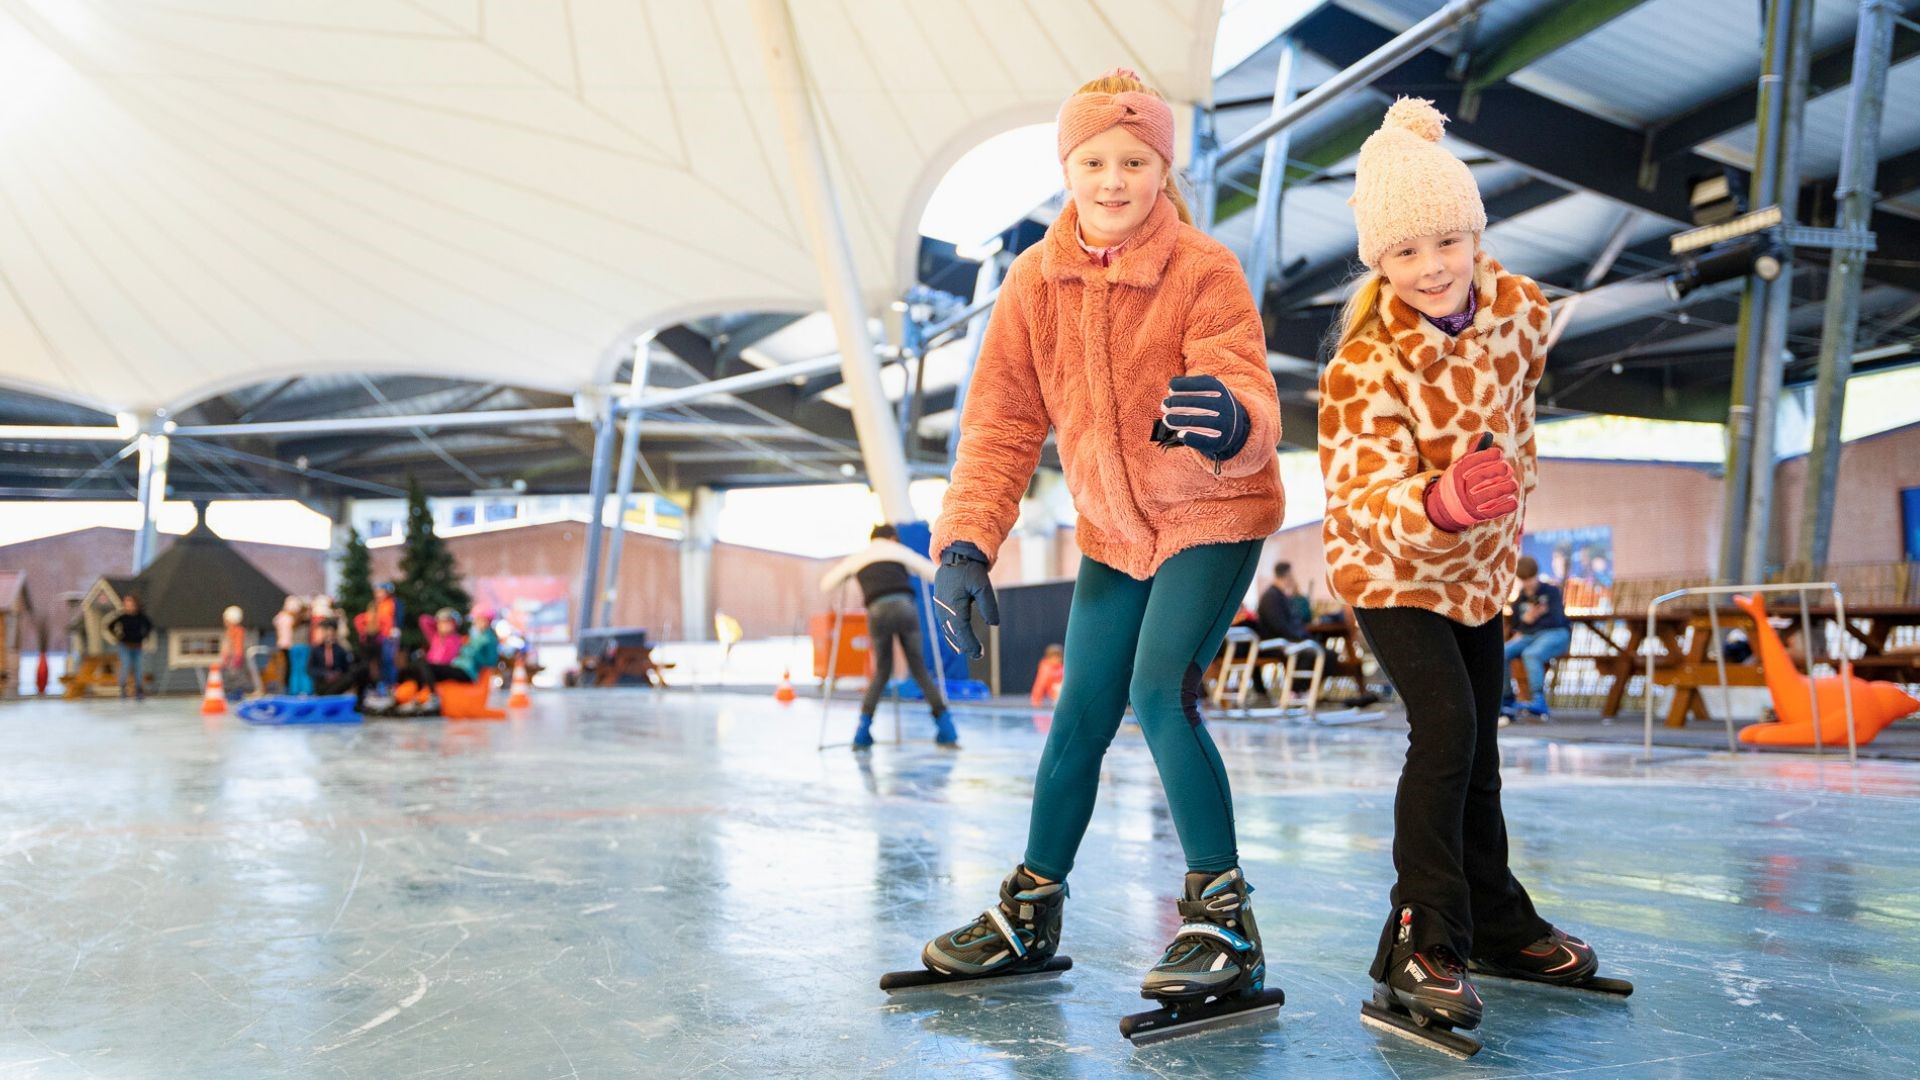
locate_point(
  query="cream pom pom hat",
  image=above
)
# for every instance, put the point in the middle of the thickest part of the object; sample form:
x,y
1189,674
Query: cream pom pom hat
x,y
1408,185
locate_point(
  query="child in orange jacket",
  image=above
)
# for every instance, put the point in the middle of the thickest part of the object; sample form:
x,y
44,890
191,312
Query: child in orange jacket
x,y
1132,336
1048,676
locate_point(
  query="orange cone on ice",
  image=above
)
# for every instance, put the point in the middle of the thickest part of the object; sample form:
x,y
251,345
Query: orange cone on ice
x,y
214,701
784,692
518,697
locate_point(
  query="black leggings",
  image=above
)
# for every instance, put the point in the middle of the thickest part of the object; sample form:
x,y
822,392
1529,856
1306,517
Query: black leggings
x,y
425,674
356,680
1449,836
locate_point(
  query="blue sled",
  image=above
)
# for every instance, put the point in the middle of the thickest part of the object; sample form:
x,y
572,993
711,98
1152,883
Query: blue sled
x,y
280,709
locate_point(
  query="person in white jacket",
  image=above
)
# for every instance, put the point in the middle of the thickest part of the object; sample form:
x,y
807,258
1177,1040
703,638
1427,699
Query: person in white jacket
x,y
885,569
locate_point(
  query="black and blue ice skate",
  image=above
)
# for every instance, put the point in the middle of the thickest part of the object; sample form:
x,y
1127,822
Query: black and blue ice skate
x,y
1014,940
1425,996
1557,959
1215,972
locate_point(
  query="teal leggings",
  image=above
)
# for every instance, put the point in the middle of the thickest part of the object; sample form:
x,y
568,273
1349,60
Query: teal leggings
x,y
1185,610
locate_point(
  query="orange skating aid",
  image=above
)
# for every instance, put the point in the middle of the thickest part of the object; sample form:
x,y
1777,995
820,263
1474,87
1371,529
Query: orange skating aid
x,y
784,692
214,701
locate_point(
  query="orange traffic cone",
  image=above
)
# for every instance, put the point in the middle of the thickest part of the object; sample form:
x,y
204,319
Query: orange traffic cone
x,y
784,692
214,701
517,698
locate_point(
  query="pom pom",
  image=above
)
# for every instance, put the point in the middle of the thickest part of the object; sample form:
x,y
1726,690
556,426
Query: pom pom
x,y
1418,116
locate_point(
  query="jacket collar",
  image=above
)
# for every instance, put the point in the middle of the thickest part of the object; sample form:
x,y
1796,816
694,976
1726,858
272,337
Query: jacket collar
x,y
1140,263
1418,344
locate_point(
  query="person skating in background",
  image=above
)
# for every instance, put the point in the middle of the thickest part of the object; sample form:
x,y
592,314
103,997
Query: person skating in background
x,y
1131,334
885,570
233,649
1541,634
130,628
284,622
1427,450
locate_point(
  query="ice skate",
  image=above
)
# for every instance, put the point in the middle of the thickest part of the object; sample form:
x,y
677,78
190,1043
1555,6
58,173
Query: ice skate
x,y
1013,940
1425,996
1558,959
1214,973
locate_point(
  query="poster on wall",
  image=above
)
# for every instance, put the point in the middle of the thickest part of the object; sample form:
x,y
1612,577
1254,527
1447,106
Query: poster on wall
x,y
537,607
1580,561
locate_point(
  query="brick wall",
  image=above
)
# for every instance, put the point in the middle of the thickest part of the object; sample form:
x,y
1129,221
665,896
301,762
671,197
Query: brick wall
x,y
1866,504
769,592
72,562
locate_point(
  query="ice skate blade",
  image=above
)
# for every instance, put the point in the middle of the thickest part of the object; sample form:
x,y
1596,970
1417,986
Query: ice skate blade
x,y
1592,984
1172,1022
1436,1036
923,981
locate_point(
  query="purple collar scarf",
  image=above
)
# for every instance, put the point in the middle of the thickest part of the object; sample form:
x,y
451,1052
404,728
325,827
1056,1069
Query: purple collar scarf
x,y
1451,325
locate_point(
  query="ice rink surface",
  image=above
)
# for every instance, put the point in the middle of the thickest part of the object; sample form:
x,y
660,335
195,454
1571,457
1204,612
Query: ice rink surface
x,y
629,884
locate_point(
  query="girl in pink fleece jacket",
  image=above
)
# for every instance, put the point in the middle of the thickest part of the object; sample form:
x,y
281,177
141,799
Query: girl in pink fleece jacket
x,y
1132,336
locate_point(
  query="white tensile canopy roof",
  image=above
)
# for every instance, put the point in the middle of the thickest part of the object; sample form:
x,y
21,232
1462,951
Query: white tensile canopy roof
x,y
206,194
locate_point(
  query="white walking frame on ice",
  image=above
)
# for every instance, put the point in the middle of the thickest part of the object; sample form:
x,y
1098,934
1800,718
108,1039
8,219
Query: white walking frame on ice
x,y
1806,635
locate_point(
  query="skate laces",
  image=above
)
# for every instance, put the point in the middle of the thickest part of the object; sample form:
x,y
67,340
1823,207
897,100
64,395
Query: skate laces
x,y
1443,959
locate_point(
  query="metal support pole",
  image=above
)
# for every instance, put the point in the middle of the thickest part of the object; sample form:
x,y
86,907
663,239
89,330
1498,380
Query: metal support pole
x,y
696,565
826,231
1263,262
1859,161
1773,340
155,450
1371,67
1746,364
985,284
596,510
1204,171
629,452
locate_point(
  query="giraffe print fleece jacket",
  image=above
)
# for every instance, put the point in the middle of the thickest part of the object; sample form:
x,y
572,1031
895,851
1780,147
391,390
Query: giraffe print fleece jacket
x,y
1397,405
1088,350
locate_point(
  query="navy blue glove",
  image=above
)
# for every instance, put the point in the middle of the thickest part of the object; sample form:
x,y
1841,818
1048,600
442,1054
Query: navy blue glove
x,y
959,583
1205,415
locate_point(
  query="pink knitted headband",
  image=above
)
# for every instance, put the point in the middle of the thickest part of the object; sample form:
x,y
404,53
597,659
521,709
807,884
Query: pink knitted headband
x,y
1148,117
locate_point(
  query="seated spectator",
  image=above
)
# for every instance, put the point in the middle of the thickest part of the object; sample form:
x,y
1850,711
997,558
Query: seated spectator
x,y
332,669
444,638
479,653
1541,632
1283,615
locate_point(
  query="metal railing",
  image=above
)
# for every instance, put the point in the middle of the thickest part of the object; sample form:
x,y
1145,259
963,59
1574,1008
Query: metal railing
x,y
1801,588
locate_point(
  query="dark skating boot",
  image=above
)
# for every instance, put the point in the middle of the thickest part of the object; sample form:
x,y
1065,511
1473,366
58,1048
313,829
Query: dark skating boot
x,y
1016,938
1557,959
863,735
1215,972
1425,995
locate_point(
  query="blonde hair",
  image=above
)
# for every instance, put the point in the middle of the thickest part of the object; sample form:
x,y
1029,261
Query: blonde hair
x,y
1361,309
1120,84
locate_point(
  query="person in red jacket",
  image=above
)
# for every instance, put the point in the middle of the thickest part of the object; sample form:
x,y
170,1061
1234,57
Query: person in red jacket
x,y
1131,335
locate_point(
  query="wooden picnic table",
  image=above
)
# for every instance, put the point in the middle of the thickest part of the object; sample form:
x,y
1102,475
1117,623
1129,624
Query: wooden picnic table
x,y
1686,662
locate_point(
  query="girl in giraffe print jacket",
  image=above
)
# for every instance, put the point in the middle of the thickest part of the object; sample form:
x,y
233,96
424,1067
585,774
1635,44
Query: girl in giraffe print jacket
x,y
1427,450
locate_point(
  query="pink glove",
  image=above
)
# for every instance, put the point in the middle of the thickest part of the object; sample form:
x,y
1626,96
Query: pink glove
x,y
1475,488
